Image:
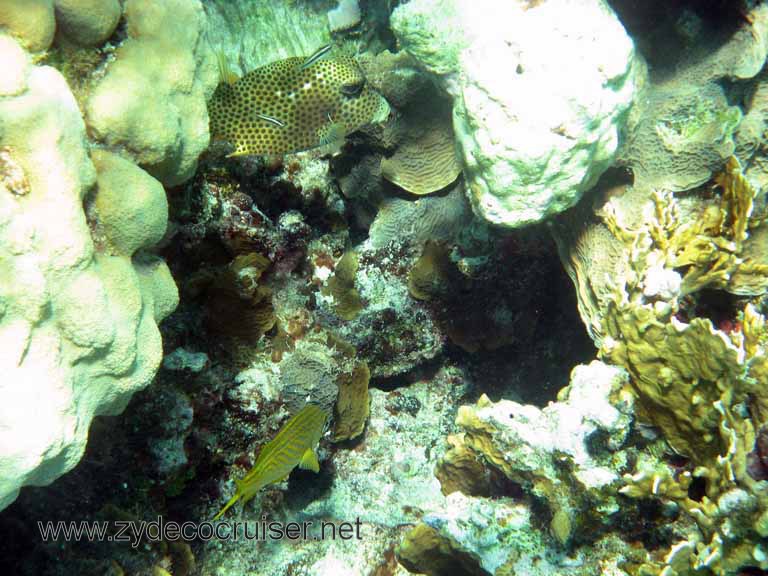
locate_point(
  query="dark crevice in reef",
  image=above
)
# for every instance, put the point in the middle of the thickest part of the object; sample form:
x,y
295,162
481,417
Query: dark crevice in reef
x,y
425,371
112,482
663,31
718,306
530,356
533,368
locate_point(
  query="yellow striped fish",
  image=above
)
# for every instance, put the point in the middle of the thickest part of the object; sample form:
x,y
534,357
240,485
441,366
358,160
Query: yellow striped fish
x,y
294,445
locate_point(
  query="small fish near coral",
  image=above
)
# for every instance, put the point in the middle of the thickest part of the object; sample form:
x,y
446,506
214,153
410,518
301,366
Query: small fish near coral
x,y
293,104
293,446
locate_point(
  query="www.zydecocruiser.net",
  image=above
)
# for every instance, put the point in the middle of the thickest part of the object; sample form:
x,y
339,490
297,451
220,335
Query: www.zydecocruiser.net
x,y
136,532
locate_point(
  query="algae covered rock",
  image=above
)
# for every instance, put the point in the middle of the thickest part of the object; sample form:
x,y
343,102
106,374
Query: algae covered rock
x,y
540,93
78,326
548,451
567,457
372,310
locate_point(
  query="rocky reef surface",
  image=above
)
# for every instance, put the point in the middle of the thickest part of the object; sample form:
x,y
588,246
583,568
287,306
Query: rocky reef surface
x,y
530,301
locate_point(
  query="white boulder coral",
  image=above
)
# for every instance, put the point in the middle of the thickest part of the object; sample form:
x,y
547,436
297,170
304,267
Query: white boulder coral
x,y
31,22
129,221
540,93
88,22
78,328
151,102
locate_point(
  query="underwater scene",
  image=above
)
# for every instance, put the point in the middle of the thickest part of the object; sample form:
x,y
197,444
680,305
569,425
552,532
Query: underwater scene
x,y
383,287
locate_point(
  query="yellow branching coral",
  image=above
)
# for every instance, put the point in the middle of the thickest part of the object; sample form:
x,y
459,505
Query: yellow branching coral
x,y
711,243
679,371
736,203
698,376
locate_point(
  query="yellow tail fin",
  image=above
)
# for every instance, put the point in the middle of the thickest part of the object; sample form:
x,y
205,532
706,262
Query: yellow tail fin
x,y
309,461
228,505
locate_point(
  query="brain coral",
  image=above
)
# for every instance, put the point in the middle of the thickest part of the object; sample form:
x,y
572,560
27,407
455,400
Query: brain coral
x,y
426,159
438,217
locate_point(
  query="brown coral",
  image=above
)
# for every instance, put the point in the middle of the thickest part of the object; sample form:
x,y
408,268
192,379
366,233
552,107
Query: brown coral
x,y
341,286
352,404
237,305
431,274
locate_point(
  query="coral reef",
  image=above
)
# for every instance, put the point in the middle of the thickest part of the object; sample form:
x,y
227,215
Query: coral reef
x,y
384,485
435,217
127,222
392,332
309,373
694,356
426,159
389,279
238,304
341,287
504,65
678,299
352,404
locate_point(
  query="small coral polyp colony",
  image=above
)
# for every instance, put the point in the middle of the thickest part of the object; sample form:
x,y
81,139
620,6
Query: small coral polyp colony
x,y
357,298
